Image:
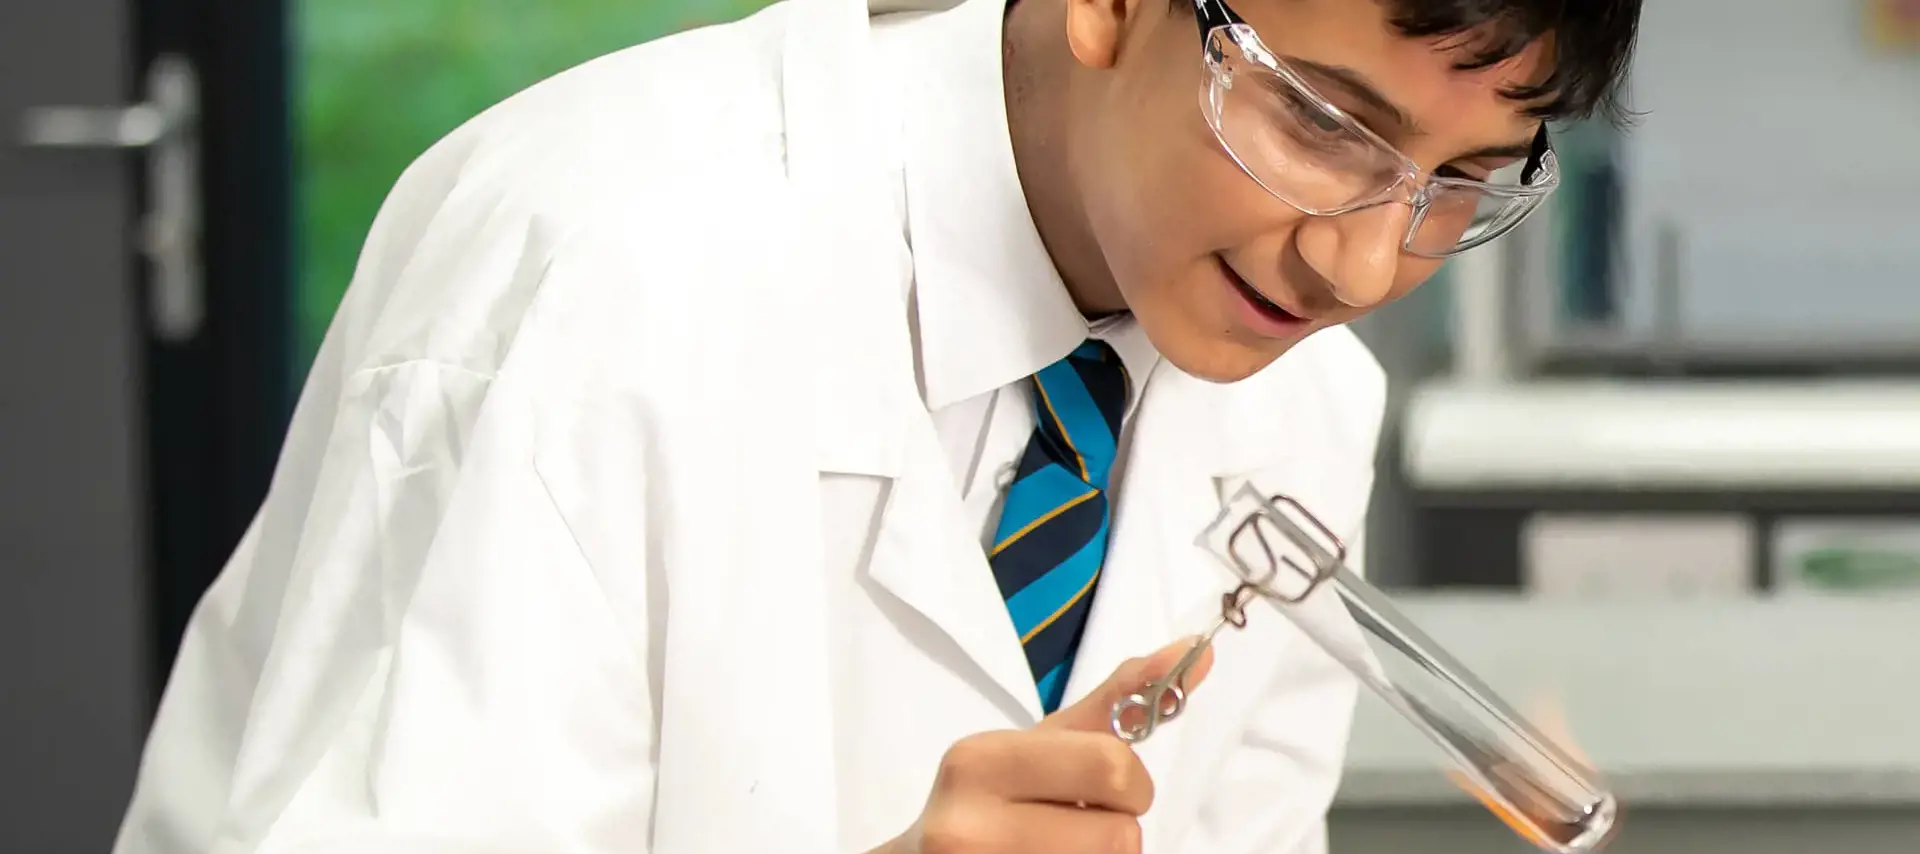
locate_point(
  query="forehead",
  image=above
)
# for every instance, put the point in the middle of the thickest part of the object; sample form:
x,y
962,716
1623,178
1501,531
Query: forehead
x,y
1418,75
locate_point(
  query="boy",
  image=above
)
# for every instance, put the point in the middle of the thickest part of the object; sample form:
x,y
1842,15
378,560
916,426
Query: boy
x,y
783,437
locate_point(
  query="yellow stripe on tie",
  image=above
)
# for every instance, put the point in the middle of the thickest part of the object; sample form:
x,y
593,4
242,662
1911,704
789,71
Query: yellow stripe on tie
x,y
1077,457
1048,516
1063,609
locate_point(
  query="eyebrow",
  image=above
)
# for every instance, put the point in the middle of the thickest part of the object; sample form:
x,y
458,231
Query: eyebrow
x,y
1356,85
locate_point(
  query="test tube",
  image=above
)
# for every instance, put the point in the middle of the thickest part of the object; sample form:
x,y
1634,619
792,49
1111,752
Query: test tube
x,y
1290,558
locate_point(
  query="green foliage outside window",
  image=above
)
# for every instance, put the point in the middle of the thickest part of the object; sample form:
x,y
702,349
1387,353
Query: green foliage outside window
x,y
378,81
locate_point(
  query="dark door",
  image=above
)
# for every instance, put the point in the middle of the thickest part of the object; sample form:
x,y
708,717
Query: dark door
x,y
142,369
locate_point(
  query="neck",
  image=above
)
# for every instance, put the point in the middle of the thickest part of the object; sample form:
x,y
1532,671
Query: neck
x,y
1039,71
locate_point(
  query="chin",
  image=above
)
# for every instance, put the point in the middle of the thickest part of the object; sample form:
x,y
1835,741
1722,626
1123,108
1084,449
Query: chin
x,y
1201,337
1220,362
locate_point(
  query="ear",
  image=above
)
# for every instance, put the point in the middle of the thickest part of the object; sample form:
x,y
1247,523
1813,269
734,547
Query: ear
x,y
1095,29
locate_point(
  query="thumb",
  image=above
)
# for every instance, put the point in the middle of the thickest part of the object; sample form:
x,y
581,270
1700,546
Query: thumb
x,y
1093,713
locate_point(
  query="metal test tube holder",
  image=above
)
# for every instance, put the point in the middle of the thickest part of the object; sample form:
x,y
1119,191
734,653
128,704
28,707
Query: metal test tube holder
x,y
1281,554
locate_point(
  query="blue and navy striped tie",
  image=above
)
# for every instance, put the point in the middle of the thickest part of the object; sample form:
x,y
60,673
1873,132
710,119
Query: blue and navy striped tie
x,y
1052,536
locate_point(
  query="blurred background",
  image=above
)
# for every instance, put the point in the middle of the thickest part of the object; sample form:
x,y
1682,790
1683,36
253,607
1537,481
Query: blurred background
x,y
1652,466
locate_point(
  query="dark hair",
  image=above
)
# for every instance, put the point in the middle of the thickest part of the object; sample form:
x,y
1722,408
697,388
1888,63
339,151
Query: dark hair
x,y
1592,44
1592,40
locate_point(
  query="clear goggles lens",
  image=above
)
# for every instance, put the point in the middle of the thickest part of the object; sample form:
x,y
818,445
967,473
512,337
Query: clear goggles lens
x,y
1316,159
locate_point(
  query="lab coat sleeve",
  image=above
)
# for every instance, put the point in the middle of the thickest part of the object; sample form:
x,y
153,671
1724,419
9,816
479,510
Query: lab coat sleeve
x,y
408,651
415,657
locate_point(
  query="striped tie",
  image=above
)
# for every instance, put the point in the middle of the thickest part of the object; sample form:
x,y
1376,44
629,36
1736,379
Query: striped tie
x,y
1052,535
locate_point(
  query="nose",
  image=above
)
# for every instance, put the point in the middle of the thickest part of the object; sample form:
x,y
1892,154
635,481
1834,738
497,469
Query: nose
x,y
1358,252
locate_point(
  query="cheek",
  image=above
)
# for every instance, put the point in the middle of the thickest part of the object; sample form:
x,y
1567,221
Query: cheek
x,y
1160,193
1134,205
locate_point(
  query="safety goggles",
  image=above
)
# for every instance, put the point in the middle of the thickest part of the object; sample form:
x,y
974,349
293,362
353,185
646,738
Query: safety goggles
x,y
1316,157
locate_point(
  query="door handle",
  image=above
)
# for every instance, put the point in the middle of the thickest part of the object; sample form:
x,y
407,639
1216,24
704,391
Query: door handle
x,y
166,129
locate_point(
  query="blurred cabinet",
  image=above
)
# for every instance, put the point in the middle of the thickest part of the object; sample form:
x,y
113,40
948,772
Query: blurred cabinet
x,y
1759,212
1713,487
1774,197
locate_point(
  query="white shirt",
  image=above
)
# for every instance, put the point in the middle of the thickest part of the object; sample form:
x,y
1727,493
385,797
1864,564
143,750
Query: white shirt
x,y
990,308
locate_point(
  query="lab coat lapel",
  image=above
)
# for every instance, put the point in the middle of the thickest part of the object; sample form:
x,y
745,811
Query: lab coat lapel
x,y
923,554
870,419
926,557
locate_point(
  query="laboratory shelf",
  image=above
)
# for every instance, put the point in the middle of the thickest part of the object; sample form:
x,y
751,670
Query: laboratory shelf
x,y
1819,435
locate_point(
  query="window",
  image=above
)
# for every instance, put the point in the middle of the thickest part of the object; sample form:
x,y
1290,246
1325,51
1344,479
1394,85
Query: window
x,y
378,82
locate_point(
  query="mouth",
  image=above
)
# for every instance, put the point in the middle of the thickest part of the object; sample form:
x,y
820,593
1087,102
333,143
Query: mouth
x,y
1263,314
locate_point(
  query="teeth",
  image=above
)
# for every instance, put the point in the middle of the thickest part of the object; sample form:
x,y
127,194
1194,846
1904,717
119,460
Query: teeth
x,y
1254,294
1262,299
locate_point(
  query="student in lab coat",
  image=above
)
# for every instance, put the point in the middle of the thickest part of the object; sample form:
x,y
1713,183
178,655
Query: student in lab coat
x,y
652,490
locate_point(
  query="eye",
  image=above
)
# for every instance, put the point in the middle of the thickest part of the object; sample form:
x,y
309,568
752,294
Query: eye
x,y
1314,122
1318,118
1468,173
1486,171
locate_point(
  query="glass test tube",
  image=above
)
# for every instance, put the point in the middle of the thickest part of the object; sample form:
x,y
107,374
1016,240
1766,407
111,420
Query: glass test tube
x,y
1542,793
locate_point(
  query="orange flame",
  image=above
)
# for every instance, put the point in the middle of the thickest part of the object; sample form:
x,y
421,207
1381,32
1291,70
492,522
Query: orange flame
x,y
1520,825
1549,719
1549,715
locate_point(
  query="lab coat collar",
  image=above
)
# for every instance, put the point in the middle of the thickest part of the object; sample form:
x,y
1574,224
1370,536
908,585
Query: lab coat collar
x,y
836,157
991,307
1191,436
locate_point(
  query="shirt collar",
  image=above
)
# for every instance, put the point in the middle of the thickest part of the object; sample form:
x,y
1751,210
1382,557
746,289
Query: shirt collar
x,y
989,305
1136,352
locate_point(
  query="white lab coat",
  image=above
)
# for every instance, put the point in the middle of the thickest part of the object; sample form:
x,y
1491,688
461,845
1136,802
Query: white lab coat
x,y
611,520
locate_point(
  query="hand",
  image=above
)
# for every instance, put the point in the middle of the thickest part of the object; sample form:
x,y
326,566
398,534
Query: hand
x,y
1067,786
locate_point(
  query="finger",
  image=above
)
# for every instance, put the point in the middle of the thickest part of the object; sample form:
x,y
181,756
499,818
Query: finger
x,y
1052,766
1094,712
1067,767
1059,829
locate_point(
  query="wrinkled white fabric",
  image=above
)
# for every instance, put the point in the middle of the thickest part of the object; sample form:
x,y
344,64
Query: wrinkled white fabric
x,y
612,518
